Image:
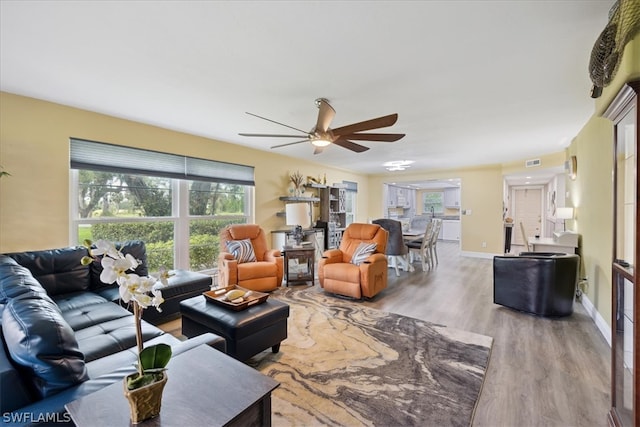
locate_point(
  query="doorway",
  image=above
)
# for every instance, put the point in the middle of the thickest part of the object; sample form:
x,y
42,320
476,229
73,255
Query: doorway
x,y
528,206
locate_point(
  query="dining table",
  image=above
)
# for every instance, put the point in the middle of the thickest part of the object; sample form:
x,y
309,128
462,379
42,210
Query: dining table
x,y
412,234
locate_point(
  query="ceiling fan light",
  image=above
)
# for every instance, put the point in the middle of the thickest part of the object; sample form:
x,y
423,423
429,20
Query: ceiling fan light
x,y
320,142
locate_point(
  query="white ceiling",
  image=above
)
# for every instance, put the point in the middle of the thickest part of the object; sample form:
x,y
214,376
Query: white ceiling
x,y
473,82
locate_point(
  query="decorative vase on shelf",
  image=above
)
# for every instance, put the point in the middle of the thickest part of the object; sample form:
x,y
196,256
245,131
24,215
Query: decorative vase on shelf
x,y
145,402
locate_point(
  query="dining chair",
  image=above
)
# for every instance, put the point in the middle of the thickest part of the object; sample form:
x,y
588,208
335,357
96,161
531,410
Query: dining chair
x,y
433,241
396,250
421,246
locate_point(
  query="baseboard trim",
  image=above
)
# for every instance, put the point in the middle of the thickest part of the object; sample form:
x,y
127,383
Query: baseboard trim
x,y
601,324
478,254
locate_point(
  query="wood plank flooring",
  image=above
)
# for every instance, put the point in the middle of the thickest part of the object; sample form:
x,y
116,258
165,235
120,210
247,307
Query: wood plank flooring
x,y
542,372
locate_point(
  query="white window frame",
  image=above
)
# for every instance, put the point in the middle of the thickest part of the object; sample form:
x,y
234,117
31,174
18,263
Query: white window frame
x,y
180,217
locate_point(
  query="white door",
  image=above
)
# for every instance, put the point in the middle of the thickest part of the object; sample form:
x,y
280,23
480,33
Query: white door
x,y
527,208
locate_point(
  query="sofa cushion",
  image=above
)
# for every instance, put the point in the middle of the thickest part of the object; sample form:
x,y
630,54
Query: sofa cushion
x,y
40,340
85,309
76,300
112,336
59,271
16,280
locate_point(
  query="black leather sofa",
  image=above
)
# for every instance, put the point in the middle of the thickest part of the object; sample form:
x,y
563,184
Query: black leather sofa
x,y
64,335
541,283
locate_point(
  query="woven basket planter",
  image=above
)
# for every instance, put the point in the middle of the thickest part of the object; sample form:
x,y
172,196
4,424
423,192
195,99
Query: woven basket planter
x,y
145,402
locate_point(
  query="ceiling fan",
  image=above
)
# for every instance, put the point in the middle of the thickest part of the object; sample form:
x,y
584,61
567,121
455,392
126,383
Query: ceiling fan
x,y
322,135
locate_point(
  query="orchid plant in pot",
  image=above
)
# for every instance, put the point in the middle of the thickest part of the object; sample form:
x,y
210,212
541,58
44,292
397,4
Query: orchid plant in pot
x,y
143,388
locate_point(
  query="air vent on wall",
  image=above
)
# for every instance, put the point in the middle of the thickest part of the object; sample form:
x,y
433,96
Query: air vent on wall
x,y
531,163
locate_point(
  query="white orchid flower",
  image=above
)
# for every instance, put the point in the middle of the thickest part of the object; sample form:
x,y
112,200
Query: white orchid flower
x,y
128,286
163,275
113,269
104,247
157,297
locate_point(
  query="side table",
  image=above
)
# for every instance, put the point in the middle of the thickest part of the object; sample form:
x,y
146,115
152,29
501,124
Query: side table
x,y
205,387
305,264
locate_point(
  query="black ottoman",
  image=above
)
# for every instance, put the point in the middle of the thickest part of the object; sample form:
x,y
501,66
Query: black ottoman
x,y
248,332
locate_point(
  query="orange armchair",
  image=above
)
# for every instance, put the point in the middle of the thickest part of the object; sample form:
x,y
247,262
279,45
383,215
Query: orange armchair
x,y
337,273
263,274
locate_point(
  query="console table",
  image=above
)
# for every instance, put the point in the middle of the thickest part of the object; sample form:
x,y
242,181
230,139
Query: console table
x,y
548,244
205,387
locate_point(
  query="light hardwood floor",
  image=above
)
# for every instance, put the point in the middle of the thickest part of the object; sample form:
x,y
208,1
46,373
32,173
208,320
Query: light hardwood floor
x,y
542,372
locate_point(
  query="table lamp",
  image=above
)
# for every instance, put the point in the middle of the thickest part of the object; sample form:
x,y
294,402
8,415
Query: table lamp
x,y
564,214
298,216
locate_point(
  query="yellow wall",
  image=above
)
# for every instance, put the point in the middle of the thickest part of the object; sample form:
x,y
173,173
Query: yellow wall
x,y
591,195
34,149
591,192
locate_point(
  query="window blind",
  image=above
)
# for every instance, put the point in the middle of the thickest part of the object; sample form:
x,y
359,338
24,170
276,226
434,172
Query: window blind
x,y
115,158
350,185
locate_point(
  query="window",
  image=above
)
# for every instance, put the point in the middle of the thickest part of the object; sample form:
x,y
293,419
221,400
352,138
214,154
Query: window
x,y
351,196
178,219
433,202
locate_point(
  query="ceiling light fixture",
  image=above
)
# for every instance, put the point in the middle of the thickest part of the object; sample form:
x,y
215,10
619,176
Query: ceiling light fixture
x,y
320,142
398,165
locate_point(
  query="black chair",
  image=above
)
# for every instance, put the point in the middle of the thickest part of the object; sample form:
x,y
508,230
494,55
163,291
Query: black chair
x,y
396,249
541,283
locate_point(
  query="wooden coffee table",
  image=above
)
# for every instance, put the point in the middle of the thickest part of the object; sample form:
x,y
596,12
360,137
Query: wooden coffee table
x,y
205,387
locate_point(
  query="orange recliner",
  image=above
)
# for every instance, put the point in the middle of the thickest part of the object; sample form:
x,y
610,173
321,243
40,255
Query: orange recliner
x,y
338,275
263,274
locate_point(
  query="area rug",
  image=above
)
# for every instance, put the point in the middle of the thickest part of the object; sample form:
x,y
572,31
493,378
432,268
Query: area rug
x,y
347,365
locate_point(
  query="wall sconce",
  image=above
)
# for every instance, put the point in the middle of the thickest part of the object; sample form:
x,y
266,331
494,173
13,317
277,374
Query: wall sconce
x,y
564,214
571,166
298,216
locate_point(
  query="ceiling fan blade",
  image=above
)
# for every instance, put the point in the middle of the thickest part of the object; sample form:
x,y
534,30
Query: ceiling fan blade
x,y
386,137
269,135
325,115
317,150
344,143
380,122
290,143
278,123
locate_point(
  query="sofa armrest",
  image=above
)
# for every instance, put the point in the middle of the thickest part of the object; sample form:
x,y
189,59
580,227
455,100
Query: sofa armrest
x,y
331,256
227,269
13,392
209,339
272,255
225,256
373,275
